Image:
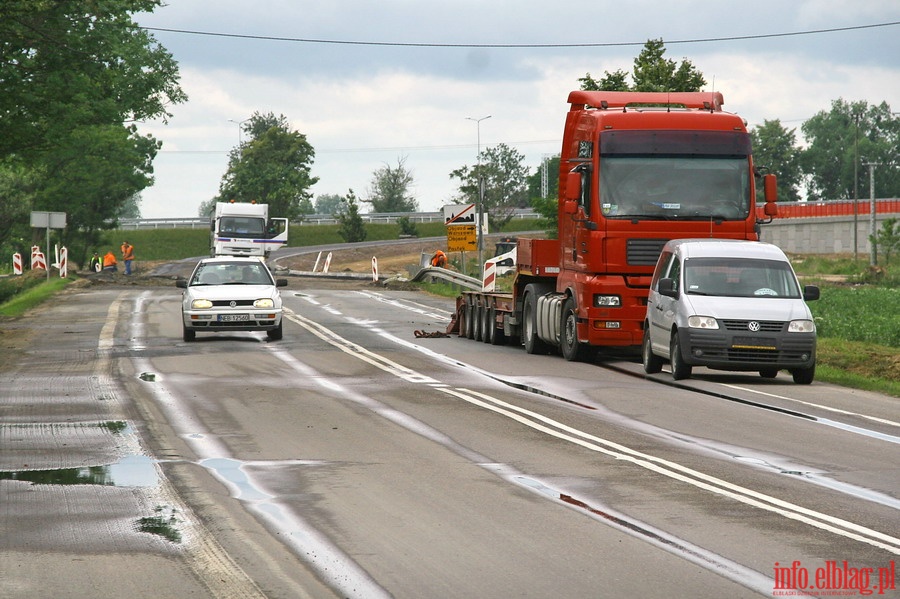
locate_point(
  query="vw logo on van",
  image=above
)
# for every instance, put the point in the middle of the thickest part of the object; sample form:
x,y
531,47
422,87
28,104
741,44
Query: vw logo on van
x,y
753,326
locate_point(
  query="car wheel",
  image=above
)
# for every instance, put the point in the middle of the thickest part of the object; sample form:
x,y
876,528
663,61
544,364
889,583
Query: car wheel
x,y
804,376
572,349
680,370
275,334
533,343
652,363
188,334
768,373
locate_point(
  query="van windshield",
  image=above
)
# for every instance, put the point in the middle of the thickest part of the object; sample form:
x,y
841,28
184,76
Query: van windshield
x,y
740,277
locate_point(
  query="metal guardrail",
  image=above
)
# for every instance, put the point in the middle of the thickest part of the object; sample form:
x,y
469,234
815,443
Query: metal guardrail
x,y
450,276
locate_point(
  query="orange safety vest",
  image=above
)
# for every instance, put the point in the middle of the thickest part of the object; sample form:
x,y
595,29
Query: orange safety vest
x,y
127,251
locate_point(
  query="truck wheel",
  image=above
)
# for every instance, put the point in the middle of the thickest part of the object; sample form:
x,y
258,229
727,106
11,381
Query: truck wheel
x,y
188,334
470,319
479,321
533,343
804,376
488,325
498,336
652,362
680,370
572,349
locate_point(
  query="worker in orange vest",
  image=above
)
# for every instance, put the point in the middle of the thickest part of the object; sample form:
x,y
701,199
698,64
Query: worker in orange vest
x,y
439,259
127,256
109,261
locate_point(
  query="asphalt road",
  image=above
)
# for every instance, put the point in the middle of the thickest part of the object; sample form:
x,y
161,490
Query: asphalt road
x,y
353,459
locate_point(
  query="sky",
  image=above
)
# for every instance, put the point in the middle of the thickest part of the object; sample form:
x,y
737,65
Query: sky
x,y
428,83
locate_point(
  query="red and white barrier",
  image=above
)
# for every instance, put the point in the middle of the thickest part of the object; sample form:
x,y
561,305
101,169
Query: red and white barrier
x,y
63,262
17,263
37,259
374,269
327,262
489,281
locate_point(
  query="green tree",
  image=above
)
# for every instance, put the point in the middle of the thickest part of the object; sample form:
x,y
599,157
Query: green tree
x,y
351,227
272,167
131,208
75,75
389,191
328,203
652,72
546,206
841,141
503,175
775,151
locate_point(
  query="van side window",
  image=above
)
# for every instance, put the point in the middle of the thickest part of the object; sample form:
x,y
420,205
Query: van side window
x,y
675,273
664,262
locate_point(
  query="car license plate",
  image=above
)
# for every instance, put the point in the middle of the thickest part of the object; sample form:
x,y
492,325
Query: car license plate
x,y
233,317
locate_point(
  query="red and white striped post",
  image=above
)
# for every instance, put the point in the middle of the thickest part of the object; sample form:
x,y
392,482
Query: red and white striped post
x,y
374,269
37,258
63,262
17,263
327,263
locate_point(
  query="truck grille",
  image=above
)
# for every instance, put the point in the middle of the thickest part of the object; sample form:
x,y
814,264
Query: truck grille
x,y
644,252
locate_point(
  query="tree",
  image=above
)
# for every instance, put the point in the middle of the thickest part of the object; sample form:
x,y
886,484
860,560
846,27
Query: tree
x,y
841,140
328,203
389,191
652,72
351,227
75,75
504,178
547,206
775,151
272,167
131,208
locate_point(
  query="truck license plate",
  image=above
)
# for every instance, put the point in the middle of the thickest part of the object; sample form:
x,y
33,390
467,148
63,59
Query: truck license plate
x,y
233,317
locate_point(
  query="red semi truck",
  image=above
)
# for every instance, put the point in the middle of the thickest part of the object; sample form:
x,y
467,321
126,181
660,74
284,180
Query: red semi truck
x,y
636,170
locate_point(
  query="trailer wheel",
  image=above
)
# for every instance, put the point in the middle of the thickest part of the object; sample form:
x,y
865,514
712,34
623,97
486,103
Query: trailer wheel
x,y
572,349
498,336
488,325
479,321
470,319
533,343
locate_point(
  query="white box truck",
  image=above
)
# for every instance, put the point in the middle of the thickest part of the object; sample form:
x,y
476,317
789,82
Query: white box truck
x,y
245,229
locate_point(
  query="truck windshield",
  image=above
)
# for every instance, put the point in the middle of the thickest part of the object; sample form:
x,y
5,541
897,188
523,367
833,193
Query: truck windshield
x,y
240,226
675,187
740,277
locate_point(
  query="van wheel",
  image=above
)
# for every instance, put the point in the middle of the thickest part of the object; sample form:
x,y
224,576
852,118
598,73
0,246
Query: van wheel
x,y
768,373
572,350
533,343
680,370
804,376
652,363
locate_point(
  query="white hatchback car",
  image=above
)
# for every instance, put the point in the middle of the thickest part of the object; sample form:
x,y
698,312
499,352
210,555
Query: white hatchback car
x,y
729,305
229,293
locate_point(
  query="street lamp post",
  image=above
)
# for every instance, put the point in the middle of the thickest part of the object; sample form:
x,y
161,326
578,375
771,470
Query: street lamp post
x,y
480,203
239,123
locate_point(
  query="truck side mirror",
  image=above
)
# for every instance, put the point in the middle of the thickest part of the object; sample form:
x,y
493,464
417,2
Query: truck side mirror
x,y
770,187
573,186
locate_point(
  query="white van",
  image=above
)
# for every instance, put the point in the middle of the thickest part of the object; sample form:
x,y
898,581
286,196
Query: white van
x,y
729,305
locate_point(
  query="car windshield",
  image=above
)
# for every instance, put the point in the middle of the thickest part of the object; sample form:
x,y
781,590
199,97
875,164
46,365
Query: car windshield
x,y
674,187
231,273
740,277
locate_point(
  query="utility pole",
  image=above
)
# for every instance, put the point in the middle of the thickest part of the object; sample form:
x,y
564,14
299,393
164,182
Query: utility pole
x,y
480,202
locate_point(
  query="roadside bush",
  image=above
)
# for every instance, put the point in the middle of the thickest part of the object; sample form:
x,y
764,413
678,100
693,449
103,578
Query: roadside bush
x,y
859,313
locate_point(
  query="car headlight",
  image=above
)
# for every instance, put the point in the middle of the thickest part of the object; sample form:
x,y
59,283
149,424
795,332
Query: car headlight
x,y
201,304
702,322
607,301
264,303
802,326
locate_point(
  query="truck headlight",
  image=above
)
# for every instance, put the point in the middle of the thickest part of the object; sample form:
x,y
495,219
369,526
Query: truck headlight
x,y
264,303
702,322
801,326
607,301
201,304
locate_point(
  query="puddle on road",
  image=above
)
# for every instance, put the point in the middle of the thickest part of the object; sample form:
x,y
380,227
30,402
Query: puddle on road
x,y
130,471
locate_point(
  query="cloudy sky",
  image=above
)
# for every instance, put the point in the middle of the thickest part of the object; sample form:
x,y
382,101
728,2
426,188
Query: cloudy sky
x,y
370,83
